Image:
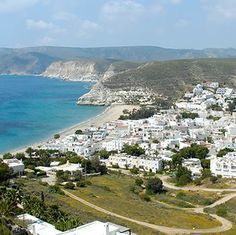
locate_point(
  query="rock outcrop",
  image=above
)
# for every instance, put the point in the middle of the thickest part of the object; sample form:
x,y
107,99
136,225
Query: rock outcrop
x,y
74,70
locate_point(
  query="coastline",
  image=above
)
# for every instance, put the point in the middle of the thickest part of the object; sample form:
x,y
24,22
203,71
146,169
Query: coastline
x,y
111,113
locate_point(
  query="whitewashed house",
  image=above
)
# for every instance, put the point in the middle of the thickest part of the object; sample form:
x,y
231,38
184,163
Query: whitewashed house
x,y
16,165
224,166
194,165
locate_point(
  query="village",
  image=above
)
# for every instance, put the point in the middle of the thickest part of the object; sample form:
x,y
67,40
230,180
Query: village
x,y
194,139
205,117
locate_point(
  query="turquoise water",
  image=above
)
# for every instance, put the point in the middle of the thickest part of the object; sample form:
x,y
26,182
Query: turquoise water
x,y
34,108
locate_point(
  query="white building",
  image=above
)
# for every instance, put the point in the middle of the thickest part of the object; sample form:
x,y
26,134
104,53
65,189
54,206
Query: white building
x,y
194,165
71,167
40,227
143,163
16,165
224,166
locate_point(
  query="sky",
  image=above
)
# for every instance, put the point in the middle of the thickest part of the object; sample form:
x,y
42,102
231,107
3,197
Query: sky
x,y
98,23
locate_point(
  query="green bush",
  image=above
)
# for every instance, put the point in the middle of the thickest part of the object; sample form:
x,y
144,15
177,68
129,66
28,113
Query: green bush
x,y
81,184
154,185
55,189
213,179
138,182
221,211
56,136
69,185
144,197
197,181
134,170
136,189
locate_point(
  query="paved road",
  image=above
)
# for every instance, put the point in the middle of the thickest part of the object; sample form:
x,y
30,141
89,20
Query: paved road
x,y
225,224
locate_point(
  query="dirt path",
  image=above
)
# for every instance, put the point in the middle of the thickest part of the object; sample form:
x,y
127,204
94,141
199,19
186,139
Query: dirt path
x,y
191,188
225,224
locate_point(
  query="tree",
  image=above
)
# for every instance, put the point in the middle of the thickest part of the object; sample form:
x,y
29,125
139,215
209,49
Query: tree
x,y
185,115
136,114
183,176
206,173
78,132
29,151
7,156
224,151
56,136
134,170
139,182
20,156
205,163
213,179
104,154
8,202
133,150
176,160
154,185
69,185
5,173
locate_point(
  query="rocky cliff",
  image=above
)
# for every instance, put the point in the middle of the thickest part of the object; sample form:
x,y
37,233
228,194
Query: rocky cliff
x,y
75,70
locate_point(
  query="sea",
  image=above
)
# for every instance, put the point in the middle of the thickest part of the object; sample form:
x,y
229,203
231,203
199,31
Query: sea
x,y
34,108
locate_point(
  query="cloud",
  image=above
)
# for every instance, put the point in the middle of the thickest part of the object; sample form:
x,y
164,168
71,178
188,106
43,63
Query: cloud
x,y
63,16
39,24
88,28
176,1
219,10
16,5
128,9
182,23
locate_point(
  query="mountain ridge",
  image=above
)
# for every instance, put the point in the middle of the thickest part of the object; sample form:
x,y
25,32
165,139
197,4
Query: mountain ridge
x,y
35,60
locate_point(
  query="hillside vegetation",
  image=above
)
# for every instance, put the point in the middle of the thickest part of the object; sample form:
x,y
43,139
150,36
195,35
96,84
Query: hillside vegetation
x,y
35,60
172,78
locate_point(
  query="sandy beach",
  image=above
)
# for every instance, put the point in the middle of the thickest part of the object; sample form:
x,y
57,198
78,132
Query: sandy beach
x,y
112,113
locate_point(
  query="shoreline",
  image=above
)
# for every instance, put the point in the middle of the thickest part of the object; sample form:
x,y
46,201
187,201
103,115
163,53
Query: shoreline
x,y
111,113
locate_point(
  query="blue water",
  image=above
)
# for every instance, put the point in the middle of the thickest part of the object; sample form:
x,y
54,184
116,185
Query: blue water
x,y
34,108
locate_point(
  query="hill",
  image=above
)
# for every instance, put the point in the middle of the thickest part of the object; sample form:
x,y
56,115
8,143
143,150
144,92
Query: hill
x,y
166,80
171,78
35,60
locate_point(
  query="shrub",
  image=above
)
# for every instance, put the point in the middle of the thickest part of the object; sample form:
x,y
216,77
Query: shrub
x,y
197,181
56,136
154,185
30,175
206,173
135,189
180,195
78,132
69,185
134,170
138,182
144,197
55,189
221,211
213,179
81,184
183,176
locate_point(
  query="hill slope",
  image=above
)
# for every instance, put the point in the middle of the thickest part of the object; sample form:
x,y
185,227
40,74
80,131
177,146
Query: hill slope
x,y
166,79
35,60
171,78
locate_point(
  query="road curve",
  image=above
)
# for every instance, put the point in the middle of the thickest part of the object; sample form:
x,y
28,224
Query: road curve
x,y
225,224
193,188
